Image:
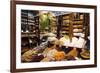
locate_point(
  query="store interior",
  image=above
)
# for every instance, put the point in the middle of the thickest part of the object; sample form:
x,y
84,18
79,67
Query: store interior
x,y
48,36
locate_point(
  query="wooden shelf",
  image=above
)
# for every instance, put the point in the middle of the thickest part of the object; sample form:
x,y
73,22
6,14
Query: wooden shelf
x,y
65,25
77,27
27,35
77,22
77,19
65,32
65,18
29,21
27,32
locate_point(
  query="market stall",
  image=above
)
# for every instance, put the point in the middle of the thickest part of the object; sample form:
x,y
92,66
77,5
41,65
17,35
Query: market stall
x,y
54,36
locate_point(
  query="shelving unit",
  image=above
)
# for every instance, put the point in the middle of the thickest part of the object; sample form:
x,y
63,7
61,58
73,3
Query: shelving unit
x,y
74,24
29,28
78,23
81,24
65,27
